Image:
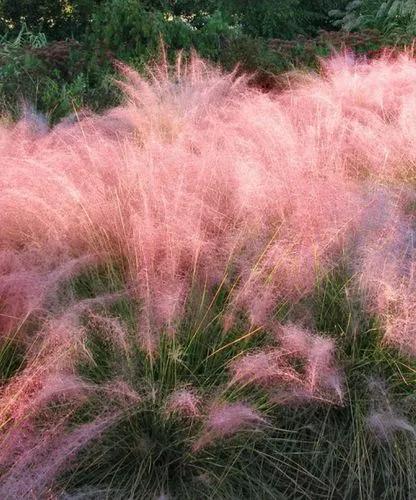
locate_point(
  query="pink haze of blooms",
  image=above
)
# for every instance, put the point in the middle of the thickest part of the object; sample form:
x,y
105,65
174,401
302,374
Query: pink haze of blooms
x,y
274,369
225,420
208,179
184,402
192,185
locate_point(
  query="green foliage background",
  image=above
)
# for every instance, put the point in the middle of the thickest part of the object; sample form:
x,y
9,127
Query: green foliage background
x,y
389,16
57,55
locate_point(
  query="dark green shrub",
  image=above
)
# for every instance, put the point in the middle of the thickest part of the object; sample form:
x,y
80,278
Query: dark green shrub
x,y
55,79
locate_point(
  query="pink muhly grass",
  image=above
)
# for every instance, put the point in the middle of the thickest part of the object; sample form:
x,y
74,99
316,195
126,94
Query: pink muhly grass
x,y
385,424
49,366
121,392
19,418
276,369
27,288
265,368
46,375
112,329
174,197
194,174
61,338
321,372
295,340
383,420
36,445
22,289
386,266
225,420
199,183
183,402
322,379
38,466
30,393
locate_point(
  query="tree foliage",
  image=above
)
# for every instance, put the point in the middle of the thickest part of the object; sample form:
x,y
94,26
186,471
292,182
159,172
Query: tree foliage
x,y
57,18
264,18
389,16
81,39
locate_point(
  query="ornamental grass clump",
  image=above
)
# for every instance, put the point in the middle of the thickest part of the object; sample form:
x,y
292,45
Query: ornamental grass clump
x,y
195,285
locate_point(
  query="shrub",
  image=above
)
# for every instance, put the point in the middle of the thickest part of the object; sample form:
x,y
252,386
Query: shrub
x,y
55,79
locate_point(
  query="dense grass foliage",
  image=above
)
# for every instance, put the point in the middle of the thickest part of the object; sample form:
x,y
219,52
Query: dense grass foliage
x,y
207,291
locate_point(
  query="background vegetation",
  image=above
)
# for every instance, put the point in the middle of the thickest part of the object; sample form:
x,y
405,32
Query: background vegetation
x,y
58,56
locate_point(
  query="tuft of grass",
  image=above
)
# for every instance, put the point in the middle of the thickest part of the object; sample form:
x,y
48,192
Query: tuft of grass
x,y
303,452
248,239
